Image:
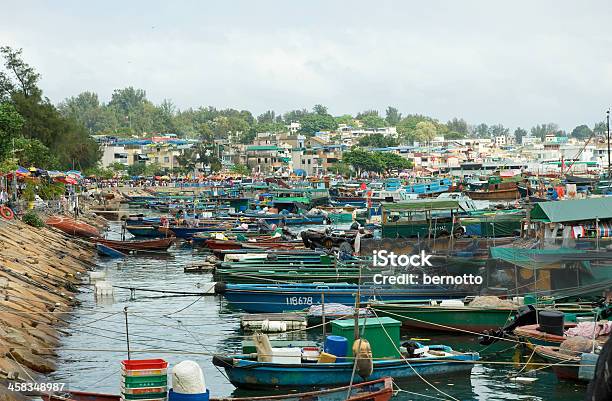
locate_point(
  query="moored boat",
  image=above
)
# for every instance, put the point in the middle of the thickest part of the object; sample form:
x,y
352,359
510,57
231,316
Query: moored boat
x,y
73,227
160,244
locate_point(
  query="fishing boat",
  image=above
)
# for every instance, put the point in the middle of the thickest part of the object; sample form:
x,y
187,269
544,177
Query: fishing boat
x,y
451,316
567,364
148,231
276,298
108,251
498,191
160,244
73,227
532,335
244,371
373,390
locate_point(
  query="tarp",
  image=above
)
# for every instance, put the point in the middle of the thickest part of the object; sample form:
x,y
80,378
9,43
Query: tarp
x,y
535,258
432,204
573,210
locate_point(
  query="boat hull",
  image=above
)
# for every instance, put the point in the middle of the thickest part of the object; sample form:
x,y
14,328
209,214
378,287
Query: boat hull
x,y
263,375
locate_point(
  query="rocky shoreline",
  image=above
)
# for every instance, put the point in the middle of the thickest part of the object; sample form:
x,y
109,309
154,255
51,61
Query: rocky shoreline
x,y
40,270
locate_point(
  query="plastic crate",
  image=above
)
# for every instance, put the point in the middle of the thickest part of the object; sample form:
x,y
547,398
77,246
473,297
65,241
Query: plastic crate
x,y
145,396
145,399
144,364
144,390
145,381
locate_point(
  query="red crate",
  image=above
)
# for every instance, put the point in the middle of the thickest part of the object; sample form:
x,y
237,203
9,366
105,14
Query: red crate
x,y
144,364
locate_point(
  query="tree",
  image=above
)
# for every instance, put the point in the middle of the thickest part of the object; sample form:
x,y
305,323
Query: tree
x,y
377,141
371,119
240,169
267,118
454,135
458,125
519,133
10,127
20,76
498,130
482,131
362,160
600,127
340,168
425,131
345,119
33,153
87,110
393,161
320,110
393,116
582,132
317,121
294,115
541,130
406,128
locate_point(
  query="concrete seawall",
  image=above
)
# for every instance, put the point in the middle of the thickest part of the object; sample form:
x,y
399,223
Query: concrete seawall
x,y
40,269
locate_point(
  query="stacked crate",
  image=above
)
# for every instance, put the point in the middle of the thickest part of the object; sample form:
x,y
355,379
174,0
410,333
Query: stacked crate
x,y
144,379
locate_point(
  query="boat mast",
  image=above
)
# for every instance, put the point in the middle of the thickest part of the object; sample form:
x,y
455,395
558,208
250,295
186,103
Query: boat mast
x,y
608,128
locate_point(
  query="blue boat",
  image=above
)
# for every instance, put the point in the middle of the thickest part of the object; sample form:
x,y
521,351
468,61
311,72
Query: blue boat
x,y
145,231
247,373
108,251
276,298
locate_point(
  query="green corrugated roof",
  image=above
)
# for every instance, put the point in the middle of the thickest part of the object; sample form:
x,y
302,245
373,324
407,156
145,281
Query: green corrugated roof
x,y
263,147
573,210
432,204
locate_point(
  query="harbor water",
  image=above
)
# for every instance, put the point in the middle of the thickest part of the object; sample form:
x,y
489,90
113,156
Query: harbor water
x,y
178,327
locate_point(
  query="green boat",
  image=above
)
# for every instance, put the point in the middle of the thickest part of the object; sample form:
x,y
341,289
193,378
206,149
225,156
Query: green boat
x,y
442,317
423,219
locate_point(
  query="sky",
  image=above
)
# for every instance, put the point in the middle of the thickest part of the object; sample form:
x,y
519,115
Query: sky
x,y
518,63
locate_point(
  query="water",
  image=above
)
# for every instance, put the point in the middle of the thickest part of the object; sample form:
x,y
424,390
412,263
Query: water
x,y
178,328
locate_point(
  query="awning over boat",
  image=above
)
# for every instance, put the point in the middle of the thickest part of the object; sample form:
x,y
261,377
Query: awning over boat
x,y
536,258
431,204
573,210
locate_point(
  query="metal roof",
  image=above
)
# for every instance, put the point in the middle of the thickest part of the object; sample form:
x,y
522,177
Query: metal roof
x,y
573,210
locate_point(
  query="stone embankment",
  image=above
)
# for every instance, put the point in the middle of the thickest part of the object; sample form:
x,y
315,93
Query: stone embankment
x,y
40,269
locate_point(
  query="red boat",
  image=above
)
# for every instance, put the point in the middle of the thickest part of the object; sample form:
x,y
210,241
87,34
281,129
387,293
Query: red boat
x,y
375,390
73,227
160,244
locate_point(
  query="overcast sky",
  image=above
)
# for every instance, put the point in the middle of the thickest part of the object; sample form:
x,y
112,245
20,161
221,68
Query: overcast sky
x,y
518,63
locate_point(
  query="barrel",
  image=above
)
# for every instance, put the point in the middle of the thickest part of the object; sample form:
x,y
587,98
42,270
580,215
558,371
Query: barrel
x,y
173,396
551,322
336,345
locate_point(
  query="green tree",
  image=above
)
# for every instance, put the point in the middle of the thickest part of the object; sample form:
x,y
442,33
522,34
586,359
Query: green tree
x,y
454,135
370,119
393,116
318,120
294,116
519,133
582,132
406,128
340,168
346,119
482,131
458,125
10,127
541,130
240,169
393,161
498,130
362,160
33,153
269,117
600,127
377,141
425,131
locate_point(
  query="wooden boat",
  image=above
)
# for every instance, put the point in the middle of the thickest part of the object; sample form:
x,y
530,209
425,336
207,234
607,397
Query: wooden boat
x,y
145,231
498,191
244,372
276,298
108,251
566,366
442,317
374,390
531,335
73,227
160,244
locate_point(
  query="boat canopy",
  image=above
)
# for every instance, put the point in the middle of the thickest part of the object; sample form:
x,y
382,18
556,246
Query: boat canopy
x,y
430,204
573,210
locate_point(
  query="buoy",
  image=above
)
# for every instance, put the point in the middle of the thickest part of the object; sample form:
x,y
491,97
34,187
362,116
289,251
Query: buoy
x,y
7,213
103,289
188,383
363,353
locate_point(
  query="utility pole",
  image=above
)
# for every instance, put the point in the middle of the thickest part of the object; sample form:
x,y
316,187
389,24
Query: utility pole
x,y
608,127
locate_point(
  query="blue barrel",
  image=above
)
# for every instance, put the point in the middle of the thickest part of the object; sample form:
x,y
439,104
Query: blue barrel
x,y
172,396
336,345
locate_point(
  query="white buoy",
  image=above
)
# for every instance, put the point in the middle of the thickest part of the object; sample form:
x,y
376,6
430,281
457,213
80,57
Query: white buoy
x,y
188,378
103,289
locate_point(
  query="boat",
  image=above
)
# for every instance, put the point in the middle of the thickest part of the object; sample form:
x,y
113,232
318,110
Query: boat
x,y
160,244
565,364
245,372
495,191
73,227
451,316
108,251
276,298
531,335
148,231
373,390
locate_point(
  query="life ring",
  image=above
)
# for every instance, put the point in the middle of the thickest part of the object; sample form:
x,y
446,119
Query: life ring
x,y
7,213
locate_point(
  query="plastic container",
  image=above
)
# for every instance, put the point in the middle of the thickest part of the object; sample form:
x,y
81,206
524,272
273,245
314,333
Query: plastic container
x,y
324,357
144,390
287,356
145,396
336,345
145,381
551,322
311,353
172,396
143,364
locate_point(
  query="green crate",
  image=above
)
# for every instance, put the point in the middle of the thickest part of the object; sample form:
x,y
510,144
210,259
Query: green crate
x,y
145,381
382,346
145,396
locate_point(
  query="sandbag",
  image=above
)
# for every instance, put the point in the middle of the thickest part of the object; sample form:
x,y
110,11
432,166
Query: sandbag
x,y
363,354
187,378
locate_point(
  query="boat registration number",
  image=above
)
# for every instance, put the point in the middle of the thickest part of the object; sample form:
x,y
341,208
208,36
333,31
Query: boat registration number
x,y
299,300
